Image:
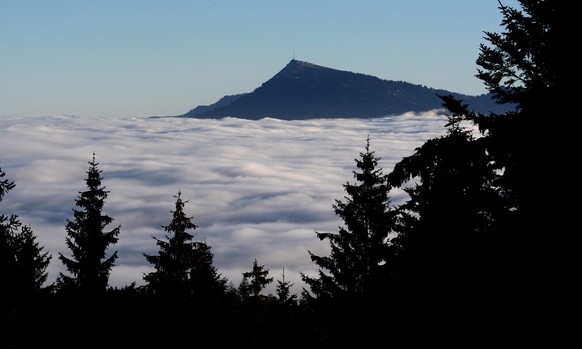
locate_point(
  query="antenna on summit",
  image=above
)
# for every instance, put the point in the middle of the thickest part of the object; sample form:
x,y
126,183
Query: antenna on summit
x,y
293,54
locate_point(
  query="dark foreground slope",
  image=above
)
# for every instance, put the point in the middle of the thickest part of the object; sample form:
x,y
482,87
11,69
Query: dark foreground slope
x,y
303,90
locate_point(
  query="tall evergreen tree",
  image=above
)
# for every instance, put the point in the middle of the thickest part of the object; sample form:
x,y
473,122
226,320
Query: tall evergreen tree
x,y
8,225
88,241
254,281
8,229
490,186
23,272
524,65
205,281
451,208
32,261
23,263
183,267
528,64
351,296
359,251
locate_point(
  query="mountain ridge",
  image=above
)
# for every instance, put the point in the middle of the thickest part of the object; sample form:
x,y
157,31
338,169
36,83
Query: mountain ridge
x,y
303,90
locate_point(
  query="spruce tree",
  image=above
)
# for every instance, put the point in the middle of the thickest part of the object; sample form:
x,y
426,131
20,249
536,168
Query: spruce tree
x,y
88,240
206,283
528,64
8,229
8,226
479,233
5,185
283,290
360,249
183,267
351,295
23,263
23,272
524,65
452,205
254,281
32,261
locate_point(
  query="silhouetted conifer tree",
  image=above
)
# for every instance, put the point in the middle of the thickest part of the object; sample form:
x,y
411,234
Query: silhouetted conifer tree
x,y
5,184
490,186
254,282
32,261
352,290
183,268
23,273
8,226
23,266
529,63
451,208
525,64
284,294
89,265
359,251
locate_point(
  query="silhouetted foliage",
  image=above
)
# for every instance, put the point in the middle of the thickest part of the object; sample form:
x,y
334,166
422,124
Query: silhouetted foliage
x,y
5,185
525,65
528,64
359,251
254,281
522,64
32,261
23,272
8,225
183,268
283,290
23,264
8,230
355,280
475,188
452,207
89,265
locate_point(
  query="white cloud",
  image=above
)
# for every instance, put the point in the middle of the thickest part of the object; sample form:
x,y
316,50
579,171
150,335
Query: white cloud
x,y
257,189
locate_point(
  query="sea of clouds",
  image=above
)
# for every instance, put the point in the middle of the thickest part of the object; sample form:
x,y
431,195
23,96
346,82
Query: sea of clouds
x,y
255,189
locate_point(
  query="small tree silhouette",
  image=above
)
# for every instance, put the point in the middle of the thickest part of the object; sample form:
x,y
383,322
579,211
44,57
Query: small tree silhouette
x,y
254,282
183,267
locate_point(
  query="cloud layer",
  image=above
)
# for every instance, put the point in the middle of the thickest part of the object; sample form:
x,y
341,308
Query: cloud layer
x,y
256,189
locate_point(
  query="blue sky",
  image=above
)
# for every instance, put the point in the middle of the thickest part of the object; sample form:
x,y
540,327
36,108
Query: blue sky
x,y
139,58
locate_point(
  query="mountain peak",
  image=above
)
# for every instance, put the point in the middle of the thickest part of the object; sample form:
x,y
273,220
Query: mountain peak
x,y
296,67
303,90
297,64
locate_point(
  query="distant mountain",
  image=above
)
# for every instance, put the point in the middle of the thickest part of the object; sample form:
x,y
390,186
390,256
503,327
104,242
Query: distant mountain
x,y
201,109
303,90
